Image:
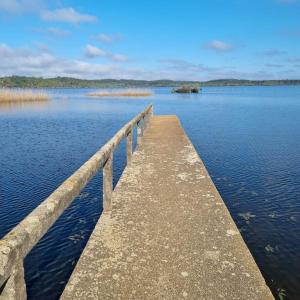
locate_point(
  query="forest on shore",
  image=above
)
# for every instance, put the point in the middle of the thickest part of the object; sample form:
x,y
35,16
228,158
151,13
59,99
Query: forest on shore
x,y
68,82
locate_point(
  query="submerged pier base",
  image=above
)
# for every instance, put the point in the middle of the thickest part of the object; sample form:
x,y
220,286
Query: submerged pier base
x,y
169,234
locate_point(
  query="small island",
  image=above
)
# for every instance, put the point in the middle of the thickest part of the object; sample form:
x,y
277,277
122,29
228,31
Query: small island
x,y
187,90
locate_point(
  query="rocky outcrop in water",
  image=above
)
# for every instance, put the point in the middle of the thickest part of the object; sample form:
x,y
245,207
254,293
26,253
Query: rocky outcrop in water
x,y
187,90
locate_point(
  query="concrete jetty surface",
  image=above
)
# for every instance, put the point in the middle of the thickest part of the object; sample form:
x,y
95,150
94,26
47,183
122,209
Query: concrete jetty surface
x,y
169,234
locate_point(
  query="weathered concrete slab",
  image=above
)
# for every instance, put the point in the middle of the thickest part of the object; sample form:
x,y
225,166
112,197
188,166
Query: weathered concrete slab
x,y
170,235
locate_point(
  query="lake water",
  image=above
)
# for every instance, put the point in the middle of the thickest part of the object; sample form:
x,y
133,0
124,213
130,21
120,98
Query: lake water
x,y
248,138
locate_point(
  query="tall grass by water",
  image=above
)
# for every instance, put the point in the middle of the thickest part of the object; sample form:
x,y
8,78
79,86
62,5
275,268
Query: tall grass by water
x,y
122,93
20,95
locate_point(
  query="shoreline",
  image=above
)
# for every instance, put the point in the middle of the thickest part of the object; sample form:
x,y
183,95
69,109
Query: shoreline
x,y
68,82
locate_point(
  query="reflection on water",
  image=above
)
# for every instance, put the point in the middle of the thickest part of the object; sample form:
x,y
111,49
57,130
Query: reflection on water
x,y
248,138
15,105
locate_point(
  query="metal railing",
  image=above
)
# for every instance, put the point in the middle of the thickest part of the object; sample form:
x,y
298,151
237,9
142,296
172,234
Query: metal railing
x,y
20,240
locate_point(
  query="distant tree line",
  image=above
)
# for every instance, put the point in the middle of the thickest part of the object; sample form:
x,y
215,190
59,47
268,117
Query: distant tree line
x,y
242,82
68,82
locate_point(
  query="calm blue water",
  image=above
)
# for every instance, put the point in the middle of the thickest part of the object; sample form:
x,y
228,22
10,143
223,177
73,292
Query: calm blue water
x,y
248,138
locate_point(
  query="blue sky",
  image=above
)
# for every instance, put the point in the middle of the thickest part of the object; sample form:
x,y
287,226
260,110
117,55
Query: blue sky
x,y
157,39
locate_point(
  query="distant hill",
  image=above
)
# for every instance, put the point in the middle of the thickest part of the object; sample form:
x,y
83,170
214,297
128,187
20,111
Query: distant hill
x,y
68,82
242,82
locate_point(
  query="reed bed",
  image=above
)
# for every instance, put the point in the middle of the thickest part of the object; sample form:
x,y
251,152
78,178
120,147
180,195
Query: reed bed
x,y
12,96
7,106
122,93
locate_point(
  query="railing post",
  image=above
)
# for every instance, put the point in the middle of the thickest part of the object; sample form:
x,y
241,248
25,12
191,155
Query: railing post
x,y
108,183
144,125
139,132
15,287
129,146
148,117
146,121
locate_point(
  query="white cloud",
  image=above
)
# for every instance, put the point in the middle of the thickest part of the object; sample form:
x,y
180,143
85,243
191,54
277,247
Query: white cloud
x,y
91,51
218,46
23,58
53,31
57,32
10,6
28,62
105,38
68,15
118,57
19,6
40,62
183,70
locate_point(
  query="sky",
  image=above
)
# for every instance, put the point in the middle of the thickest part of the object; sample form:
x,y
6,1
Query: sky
x,y
157,39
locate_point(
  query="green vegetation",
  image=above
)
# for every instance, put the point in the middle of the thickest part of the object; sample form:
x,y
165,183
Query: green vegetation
x,y
67,82
242,82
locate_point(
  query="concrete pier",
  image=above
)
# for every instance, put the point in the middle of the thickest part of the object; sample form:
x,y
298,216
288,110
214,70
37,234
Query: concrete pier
x,y
168,234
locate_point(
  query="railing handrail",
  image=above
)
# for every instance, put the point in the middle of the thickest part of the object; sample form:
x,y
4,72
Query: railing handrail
x,y
22,238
